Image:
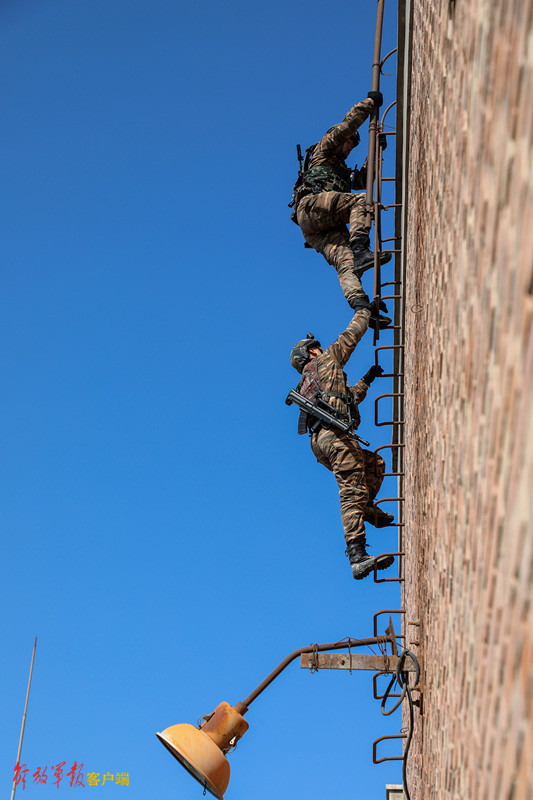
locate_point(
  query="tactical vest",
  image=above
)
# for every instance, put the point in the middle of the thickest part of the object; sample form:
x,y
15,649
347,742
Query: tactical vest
x,y
311,387
323,178
336,177
328,178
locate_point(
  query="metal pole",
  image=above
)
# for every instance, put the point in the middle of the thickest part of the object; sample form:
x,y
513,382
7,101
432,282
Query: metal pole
x,y
376,71
242,707
377,232
24,715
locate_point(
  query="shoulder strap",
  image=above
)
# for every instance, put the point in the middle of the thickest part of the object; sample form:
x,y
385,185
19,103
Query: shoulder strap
x,y
308,154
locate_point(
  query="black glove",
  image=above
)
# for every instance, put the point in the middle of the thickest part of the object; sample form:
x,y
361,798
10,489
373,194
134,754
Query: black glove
x,y
382,141
374,307
377,97
376,320
373,373
361,301
358,178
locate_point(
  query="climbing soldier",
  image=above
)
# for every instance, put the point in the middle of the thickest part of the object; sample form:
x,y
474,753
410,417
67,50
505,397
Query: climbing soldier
x,y
323,203
359,472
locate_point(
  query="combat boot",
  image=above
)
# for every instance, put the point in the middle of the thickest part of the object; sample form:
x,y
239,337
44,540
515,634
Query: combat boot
x,y
364,257
376,320
361,563
377,517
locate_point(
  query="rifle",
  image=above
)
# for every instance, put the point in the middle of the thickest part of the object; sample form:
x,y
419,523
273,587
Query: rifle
x,y
323,412
298,183
300,158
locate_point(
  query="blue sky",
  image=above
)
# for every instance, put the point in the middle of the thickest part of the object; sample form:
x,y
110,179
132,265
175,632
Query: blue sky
x,y
167,535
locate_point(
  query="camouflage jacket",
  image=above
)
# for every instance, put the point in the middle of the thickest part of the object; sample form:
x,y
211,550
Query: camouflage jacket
x,y
330,363
328,154
329,148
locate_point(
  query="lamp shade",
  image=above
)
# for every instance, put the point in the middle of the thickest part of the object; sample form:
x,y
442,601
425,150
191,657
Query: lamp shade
x,y
199,755
202,750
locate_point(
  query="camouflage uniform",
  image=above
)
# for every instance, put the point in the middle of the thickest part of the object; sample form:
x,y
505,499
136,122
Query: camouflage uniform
x,y
323,216
359,472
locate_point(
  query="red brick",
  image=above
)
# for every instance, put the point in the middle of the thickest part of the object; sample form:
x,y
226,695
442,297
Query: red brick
x,y
468,376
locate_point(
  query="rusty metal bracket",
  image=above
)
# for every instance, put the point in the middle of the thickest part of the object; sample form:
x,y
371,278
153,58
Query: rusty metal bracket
x,y
391,500
384,664
391,446
376,409
375,677
388,580
387,758
386,347
381,67
391,105
388,500
387,611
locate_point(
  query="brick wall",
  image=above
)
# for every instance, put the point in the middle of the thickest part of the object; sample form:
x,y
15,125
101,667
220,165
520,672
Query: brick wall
x,y
468,374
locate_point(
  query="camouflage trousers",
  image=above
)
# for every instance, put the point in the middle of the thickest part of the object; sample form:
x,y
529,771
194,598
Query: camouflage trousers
x,y
359,474
322,218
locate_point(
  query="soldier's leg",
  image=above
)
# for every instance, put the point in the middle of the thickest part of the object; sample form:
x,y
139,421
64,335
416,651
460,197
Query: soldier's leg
x,y
325,210
360,240
322,218
374,471
358,228
334,246
342,455
353,494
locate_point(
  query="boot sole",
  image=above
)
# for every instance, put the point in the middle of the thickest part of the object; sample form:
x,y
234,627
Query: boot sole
x,y
385,563
382,563
383,322
385,258
370,518
362,270
380,524
364,574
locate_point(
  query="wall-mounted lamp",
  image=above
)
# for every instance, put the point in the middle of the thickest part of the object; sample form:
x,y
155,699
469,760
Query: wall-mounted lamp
x,y
202,751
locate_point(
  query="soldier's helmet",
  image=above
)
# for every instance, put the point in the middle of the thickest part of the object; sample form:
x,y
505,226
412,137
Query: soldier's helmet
x,y
300,352
355,135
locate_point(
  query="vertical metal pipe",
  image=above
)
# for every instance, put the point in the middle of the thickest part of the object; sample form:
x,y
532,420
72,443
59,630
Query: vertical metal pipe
x,y
24,716
376,71
377,231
